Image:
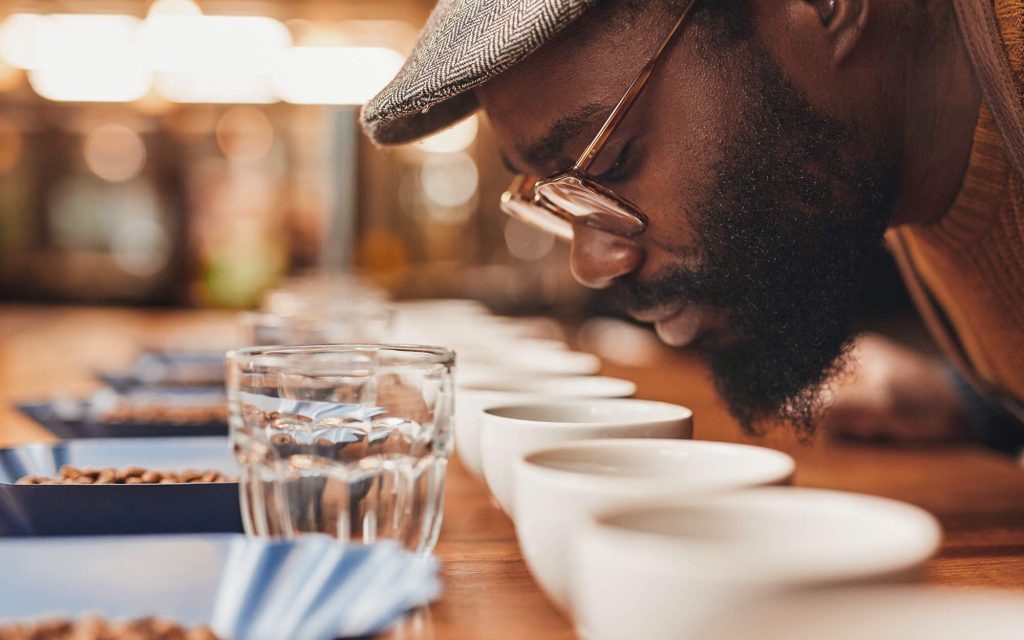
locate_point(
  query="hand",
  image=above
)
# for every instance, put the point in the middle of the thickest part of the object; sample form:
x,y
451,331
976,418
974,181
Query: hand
x,y
890,392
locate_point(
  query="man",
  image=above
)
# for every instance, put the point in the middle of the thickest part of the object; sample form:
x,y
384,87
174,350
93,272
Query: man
x,y
728,168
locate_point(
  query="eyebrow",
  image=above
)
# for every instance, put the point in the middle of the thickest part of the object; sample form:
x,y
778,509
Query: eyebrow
x,y
544,151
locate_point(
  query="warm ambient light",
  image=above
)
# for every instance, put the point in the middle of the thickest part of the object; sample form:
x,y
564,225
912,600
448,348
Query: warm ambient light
x,y
453,139
192,57
335,75
449,180
214,44
114,152
526,242
11,145
244,134
216,88
174,8
18,36
88,58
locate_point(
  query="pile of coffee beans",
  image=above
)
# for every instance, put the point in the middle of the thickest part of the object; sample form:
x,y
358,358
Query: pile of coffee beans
x,y
95,628
141,413
131,475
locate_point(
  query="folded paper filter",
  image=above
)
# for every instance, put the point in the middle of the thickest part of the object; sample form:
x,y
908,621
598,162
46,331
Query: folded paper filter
x,y
316,589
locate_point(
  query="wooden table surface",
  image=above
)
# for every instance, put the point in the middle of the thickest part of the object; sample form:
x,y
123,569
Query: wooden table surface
x,y
978,496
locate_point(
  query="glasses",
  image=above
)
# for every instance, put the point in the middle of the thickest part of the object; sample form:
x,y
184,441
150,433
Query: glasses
x,y
554,204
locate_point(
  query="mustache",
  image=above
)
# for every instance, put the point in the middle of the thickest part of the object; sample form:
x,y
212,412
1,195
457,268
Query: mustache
x,y
671,285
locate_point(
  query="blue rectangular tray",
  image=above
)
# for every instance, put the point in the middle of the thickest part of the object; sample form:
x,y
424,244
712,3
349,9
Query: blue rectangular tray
x,y
247,589
82,426
173,576
60,510
165,368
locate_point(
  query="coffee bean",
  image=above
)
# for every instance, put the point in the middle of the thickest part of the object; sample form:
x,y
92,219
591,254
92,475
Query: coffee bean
x,y
95,628
133,475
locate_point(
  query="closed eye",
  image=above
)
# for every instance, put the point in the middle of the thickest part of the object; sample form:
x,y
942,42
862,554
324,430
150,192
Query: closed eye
x,y
508,164
621,169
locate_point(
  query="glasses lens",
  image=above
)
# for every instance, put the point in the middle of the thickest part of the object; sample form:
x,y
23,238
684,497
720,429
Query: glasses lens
x,y
536,216
592,208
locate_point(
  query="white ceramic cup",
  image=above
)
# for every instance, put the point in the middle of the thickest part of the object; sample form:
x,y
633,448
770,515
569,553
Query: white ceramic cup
x,y
558,488
526,356
890,612
512,431
493,388
662,570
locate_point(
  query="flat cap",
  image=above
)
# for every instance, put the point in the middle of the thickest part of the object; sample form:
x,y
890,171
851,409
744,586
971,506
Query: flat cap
x,y
464,44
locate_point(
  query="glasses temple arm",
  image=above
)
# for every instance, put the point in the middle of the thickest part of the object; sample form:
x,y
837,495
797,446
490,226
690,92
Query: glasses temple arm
x,y
627,100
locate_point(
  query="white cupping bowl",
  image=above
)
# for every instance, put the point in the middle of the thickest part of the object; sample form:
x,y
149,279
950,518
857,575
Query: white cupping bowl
x,y
520,358
512,431
558,488
877,613
486,390
662,570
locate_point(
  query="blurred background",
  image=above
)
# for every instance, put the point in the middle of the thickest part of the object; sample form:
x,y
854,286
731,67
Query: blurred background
x,y
193,153
196,152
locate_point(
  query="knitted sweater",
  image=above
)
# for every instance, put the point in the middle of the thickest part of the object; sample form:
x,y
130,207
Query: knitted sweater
x,y
971,261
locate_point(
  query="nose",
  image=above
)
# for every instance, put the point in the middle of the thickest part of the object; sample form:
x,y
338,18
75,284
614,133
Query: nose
x,y
598,258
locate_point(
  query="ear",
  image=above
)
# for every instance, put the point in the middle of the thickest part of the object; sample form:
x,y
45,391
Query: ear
x,y
840,23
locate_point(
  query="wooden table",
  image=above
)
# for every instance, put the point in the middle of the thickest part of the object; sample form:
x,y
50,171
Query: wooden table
x,y
978,496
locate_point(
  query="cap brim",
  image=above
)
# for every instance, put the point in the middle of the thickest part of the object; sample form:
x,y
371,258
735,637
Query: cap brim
x,y
463,45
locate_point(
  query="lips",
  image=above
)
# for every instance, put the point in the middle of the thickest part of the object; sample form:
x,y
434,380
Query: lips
x,y
680,328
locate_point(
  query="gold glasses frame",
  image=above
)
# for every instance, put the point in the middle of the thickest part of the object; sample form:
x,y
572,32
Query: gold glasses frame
x,y
555,203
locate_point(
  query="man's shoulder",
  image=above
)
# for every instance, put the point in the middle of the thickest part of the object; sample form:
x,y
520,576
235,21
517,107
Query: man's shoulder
x,y
1010,16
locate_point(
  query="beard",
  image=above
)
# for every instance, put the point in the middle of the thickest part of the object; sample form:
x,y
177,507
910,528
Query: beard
x,y
792,220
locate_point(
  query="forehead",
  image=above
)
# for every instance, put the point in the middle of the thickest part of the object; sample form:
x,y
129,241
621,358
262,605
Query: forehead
x,y
571,83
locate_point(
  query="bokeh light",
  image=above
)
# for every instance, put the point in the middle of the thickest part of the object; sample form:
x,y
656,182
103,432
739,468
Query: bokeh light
x,y
449,180
114,152
88,58
244,134
335,75
140,244
174,8
215,88
213,44
454,216
455,138
525,242
18,36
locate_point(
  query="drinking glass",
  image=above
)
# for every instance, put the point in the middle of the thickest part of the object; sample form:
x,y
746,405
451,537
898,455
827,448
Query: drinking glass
x,y
355,325
348,440
323,293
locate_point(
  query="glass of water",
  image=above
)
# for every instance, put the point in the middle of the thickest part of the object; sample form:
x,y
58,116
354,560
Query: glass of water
x,y
348,440
361,324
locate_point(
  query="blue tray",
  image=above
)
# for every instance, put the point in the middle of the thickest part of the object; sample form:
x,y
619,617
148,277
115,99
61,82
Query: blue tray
x,y
55,510
165,368
247,589
72,419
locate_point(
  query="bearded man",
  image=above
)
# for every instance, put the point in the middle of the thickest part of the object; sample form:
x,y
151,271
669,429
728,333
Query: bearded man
x,y
729,168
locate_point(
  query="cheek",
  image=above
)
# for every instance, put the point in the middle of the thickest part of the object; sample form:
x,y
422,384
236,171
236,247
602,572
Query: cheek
x,y
684,132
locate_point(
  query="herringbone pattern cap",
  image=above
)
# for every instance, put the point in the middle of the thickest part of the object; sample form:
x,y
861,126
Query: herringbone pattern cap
x,y
464,43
